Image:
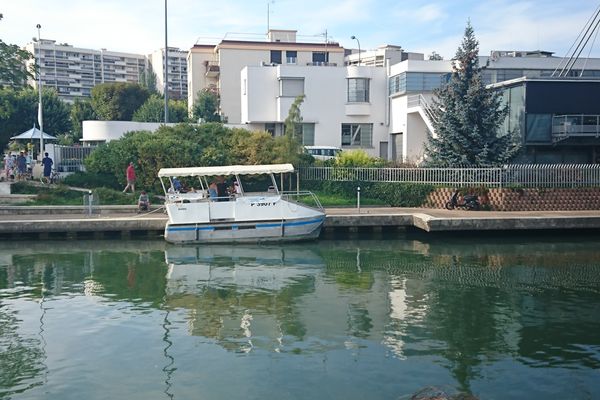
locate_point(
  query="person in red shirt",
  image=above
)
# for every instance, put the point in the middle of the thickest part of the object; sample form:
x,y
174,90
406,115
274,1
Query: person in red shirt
x,y
130,174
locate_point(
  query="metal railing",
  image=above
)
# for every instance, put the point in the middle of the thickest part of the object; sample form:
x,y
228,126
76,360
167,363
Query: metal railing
x,y
69,158
565,126
526,175
418,100
304,196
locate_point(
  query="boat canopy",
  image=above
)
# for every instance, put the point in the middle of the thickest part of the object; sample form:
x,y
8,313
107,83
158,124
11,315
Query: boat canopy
x,y
226,170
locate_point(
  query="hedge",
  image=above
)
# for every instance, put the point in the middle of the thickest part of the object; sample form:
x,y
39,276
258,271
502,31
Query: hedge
x,y
396,194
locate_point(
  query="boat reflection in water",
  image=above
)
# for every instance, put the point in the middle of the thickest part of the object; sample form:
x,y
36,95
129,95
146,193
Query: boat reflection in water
x,y
242,296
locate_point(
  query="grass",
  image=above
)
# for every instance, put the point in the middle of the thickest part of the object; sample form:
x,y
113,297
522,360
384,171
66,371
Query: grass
x,y
332,200
63,195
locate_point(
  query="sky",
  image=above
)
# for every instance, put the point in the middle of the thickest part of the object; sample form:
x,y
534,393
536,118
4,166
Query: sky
x,y
137,26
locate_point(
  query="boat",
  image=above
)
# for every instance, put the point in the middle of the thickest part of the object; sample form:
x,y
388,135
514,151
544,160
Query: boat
x,y
204,215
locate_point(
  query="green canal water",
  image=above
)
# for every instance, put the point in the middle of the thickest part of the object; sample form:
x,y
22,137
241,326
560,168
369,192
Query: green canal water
x,y
497,317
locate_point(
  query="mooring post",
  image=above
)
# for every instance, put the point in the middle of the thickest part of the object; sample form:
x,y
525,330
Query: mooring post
x,y
90,199
358,199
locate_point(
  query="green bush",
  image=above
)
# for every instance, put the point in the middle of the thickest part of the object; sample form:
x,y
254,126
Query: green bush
x,y
114,197
91,180
357,158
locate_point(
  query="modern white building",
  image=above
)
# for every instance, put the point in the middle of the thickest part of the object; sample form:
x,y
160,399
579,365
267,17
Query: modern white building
x,y
98,132
343,106
178,77
74,71
218,67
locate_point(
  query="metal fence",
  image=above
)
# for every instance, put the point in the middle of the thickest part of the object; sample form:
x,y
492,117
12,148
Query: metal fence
x,y
528,175
68,158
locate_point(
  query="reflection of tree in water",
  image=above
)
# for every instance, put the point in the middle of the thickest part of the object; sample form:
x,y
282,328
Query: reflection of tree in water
x,y
485,300
555,333
21,357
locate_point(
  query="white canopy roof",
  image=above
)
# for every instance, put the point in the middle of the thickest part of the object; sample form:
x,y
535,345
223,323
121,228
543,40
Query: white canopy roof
x,y
226,170
33,134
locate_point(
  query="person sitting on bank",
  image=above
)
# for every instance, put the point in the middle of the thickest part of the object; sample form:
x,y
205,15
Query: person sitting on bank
x,y
143,202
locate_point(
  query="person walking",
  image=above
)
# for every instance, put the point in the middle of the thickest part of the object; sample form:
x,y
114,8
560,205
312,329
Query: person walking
x,y
47,164
8,166
21,166
130,174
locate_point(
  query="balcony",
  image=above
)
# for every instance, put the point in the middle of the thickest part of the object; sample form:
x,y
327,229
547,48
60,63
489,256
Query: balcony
x,y
575,126
212,69
321,64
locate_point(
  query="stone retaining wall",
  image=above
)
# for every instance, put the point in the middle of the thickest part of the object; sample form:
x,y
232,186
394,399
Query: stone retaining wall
x,y
528,199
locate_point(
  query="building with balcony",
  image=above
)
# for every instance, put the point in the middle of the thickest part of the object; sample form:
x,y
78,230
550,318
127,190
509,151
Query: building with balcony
x,y
558,120
412,82
178,76
74,71
218,67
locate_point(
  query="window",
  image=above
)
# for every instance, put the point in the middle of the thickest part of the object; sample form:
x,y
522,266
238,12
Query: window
x,y
291,57
270,127
275,56
308,134
320,57
358,90
291,87
357,135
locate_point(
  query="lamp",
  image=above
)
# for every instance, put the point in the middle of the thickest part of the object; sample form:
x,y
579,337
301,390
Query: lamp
x,y
358,41
166,90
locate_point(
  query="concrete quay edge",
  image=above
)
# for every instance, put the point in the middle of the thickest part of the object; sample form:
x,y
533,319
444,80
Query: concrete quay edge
x,y
67,219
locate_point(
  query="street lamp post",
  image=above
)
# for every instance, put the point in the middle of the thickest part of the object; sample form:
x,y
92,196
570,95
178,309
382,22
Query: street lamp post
x,y
40,113
166,87
358,41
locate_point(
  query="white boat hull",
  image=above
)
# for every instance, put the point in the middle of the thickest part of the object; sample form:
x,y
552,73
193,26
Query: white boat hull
x,y
250,231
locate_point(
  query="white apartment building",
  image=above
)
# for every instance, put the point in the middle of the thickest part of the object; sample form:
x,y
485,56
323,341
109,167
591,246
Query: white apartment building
x,y
74,71
343,106
219,67
178,79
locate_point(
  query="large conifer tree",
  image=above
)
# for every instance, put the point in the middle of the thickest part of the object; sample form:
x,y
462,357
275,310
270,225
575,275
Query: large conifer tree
x,y
466,116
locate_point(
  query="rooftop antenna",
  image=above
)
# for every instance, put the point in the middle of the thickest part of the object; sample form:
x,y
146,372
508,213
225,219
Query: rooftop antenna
x,y
269,14
589,30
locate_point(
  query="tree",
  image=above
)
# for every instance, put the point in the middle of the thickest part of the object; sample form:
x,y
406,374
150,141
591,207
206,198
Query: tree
x,y
467,116
206,106
81,110
153,110
18,112
117,101
148,80
289,146
183,145
12,65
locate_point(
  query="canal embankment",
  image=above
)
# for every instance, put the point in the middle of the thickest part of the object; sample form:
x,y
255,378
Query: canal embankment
x,y
101,221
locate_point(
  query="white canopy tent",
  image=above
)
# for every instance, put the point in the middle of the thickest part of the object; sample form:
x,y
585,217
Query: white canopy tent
x,y
33,134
